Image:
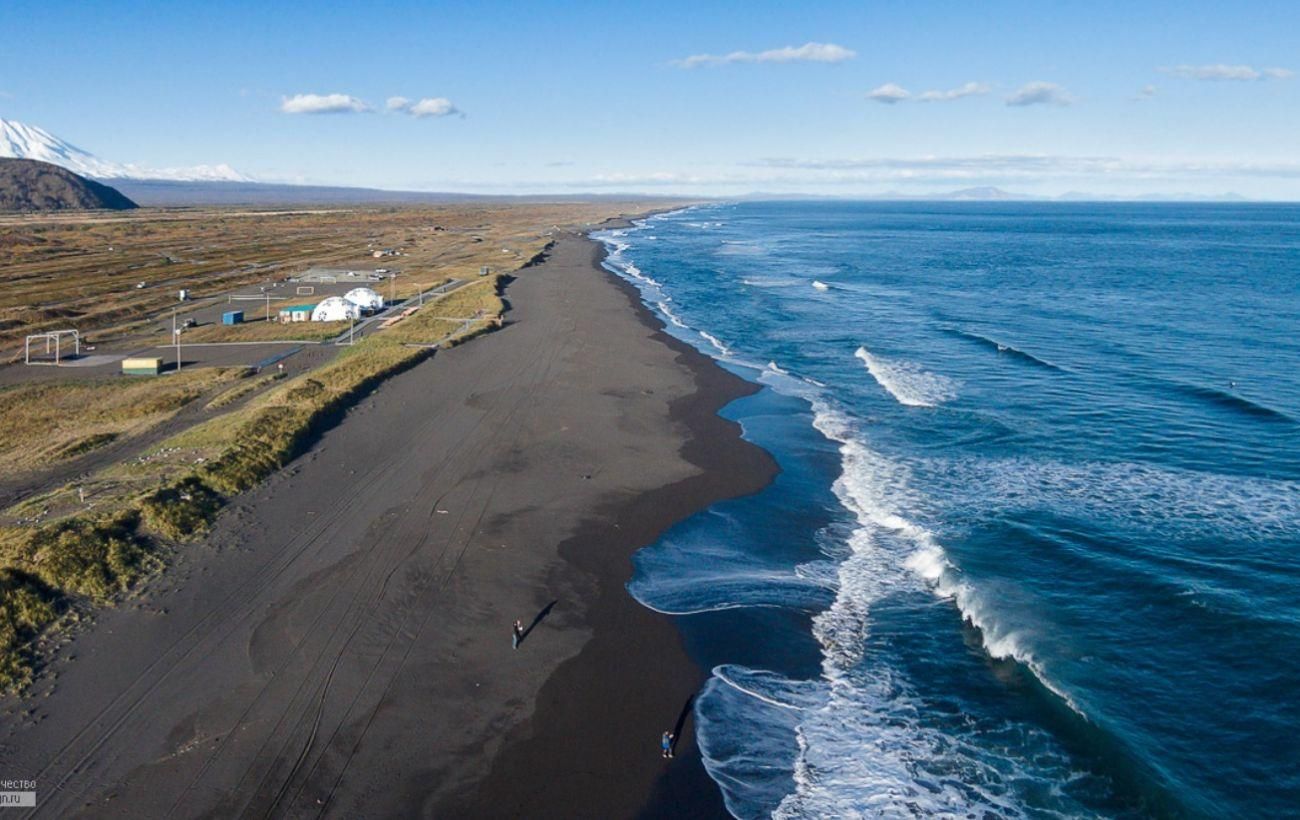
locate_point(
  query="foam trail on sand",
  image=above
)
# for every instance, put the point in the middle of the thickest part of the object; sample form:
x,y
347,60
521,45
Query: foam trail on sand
x,y
908,382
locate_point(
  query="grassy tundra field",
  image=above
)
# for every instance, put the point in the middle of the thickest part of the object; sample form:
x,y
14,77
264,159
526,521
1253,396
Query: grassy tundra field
x,y
70,547
81,270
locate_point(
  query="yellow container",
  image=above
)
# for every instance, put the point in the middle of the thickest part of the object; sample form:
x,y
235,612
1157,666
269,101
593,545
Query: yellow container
x,y
141,366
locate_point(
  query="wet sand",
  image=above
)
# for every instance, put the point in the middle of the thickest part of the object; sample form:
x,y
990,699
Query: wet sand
x,y
340,644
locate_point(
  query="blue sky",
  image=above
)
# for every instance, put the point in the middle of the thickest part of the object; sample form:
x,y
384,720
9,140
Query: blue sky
x,y
1124,97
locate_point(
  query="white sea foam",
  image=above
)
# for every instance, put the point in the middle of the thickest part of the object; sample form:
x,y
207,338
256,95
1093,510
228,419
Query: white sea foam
x,y
1162,500
820,285
672,317
783,381
715,341
999,641
907,381
736,247
652,290
907,768
770,282
856,739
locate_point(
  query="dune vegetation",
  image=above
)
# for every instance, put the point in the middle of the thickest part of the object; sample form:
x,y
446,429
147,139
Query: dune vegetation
x,y
91,542
83,545
48,422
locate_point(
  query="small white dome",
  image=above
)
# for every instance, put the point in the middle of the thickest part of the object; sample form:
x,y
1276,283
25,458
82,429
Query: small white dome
x,y
336,309
367,298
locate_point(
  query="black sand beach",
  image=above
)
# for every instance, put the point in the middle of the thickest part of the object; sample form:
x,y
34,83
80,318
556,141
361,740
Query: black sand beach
x,y
340,644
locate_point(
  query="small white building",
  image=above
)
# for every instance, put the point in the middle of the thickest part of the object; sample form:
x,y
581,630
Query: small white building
x,y
367,298
335,309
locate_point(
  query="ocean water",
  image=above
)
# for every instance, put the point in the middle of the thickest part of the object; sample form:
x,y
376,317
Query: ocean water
x,y
1035,547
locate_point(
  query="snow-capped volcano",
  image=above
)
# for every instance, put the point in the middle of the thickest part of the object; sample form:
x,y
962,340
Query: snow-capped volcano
x,y
29,142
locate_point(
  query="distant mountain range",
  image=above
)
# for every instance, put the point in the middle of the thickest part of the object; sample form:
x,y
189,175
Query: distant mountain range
x,y
31,185
223,185
21,141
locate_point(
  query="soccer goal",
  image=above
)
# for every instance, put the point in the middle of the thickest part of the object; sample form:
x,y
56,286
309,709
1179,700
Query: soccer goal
x,y
52,347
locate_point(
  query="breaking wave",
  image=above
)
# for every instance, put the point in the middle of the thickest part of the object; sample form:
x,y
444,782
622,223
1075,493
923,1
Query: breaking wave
x,y
908,382
858,739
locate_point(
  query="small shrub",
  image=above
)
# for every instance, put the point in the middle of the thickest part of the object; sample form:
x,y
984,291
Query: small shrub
x,y
305,392
26,607
93,557
182,510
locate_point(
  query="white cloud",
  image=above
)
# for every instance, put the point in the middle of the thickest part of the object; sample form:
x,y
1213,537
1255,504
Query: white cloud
x,y
1040,93
967,90
323,104
889,93
1221,72
424,107
433,107
1146,92
806,53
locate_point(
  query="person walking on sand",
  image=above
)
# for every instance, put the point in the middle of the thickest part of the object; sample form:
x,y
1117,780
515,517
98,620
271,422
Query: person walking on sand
x,y
667,744
517,633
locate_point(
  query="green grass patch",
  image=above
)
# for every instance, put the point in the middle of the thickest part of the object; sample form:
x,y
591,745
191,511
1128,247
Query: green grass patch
x,y
65,419
92,557
239,391
181,511
27,606
82,446
480,300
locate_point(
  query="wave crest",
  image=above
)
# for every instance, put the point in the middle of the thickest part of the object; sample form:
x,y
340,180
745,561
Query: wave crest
x,y
908,382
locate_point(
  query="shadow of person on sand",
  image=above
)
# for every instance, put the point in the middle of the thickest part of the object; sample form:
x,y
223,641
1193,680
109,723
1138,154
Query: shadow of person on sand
x,y
681,722
537,619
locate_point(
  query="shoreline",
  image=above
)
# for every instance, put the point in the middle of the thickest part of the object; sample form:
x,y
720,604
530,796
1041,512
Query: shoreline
x,y
645,646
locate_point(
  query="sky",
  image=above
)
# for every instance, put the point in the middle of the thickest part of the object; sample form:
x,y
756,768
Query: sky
x,y
719,99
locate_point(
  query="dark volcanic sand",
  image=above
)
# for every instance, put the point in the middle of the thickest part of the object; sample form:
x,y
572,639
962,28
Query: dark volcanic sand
x,y
340,644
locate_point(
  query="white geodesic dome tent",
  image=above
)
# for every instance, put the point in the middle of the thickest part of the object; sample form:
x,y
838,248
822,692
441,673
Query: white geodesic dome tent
x,y
366,298
336,309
